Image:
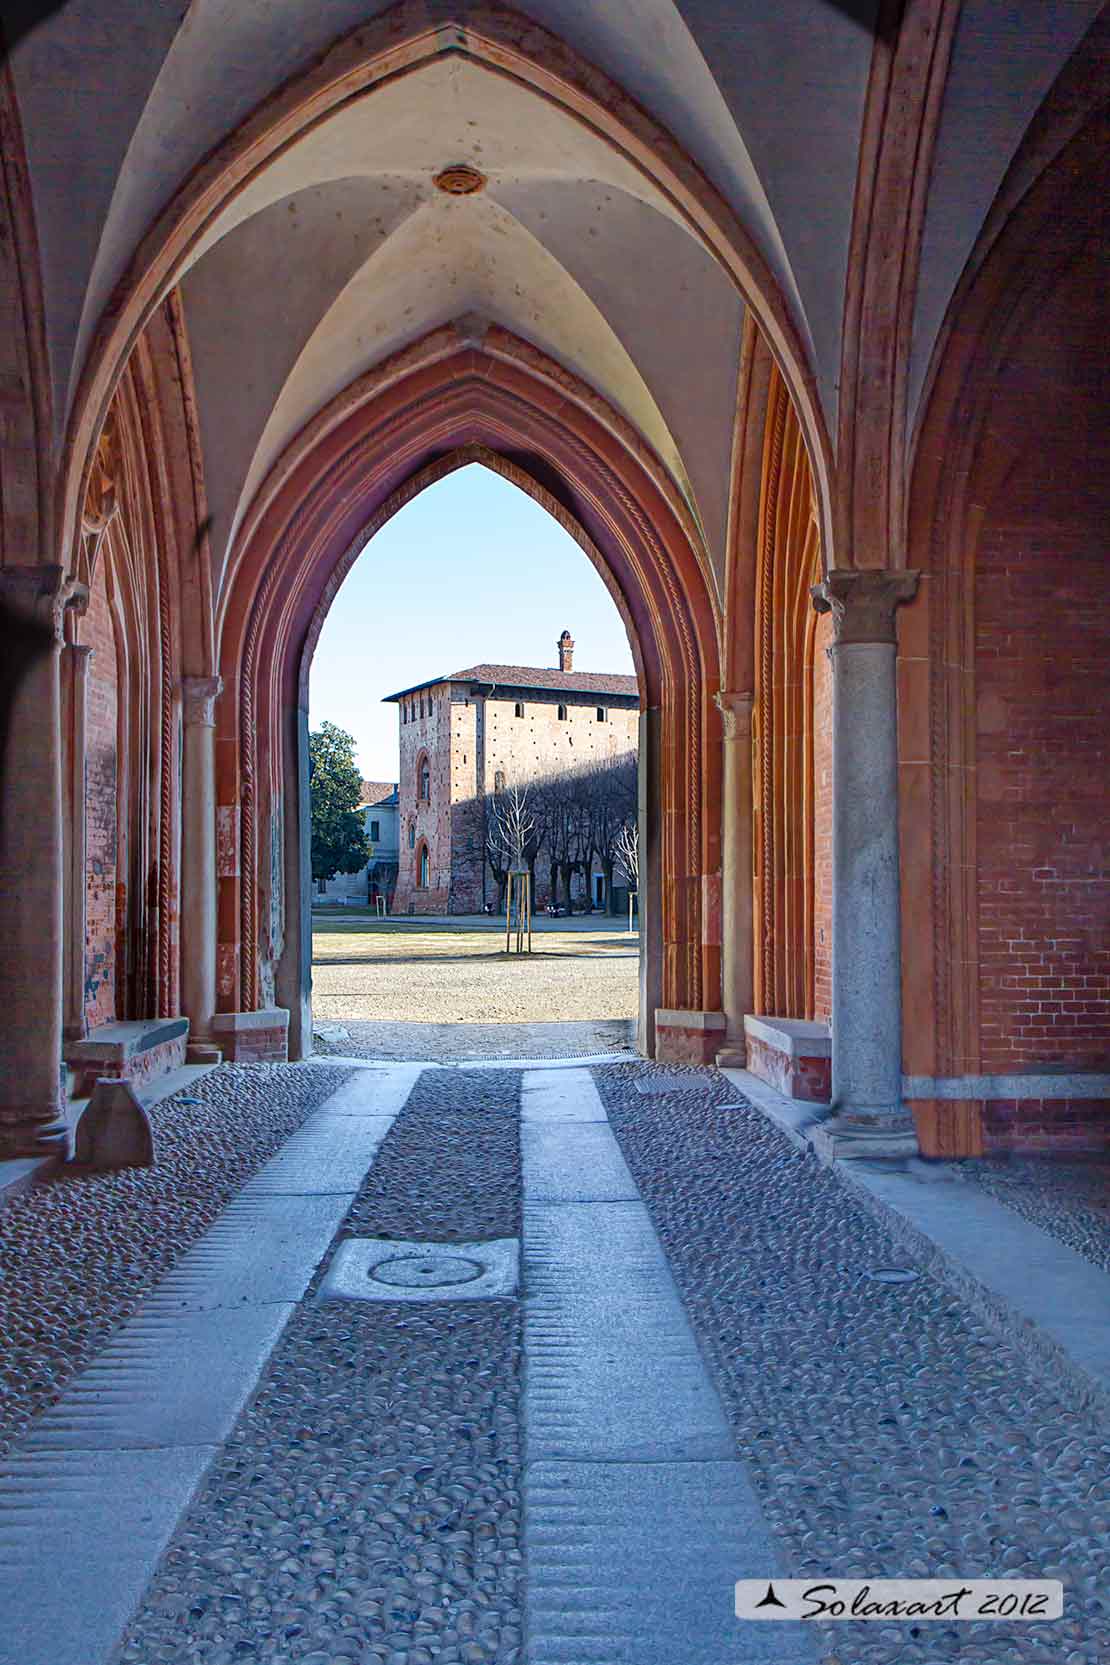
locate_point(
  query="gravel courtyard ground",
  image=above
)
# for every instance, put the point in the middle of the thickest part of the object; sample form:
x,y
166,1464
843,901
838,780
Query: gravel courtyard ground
x,y
436,990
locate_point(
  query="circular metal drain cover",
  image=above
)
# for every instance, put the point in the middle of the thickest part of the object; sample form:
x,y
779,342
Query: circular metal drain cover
x,y
426,1271
891,1274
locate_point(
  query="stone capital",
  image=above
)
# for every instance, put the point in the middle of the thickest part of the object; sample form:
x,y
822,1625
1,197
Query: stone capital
x,y
863,603
40,596
198,700
736,711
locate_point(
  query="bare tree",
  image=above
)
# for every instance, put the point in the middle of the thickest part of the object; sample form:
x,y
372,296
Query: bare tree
x,y
512,835
628,852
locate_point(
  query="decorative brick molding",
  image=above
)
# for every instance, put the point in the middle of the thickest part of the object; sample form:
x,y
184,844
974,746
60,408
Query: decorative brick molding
x,y
1046,1124
688,1037
253,1037
792,1056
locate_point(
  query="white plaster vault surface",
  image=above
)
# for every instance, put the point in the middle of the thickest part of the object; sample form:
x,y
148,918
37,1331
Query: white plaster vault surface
x,y
571,246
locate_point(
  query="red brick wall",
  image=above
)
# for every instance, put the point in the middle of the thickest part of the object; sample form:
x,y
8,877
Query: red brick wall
x,y
1045,1124
1042,676
822,821
101,771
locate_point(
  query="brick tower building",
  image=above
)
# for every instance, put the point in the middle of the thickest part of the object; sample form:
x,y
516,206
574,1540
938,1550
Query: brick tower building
x,y
477,731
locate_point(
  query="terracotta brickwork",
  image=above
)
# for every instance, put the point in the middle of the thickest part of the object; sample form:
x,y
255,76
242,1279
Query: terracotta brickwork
x,y
822,821
475,743
1042,693
101,797
809,1079
1034,1124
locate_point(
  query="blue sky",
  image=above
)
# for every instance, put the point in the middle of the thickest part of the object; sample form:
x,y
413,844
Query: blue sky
x,y
471,570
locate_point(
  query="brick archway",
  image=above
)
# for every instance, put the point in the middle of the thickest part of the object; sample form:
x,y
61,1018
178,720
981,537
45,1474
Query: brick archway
x,y
436,406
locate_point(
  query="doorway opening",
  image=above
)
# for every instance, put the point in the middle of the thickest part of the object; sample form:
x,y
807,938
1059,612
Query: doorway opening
x,y
470,715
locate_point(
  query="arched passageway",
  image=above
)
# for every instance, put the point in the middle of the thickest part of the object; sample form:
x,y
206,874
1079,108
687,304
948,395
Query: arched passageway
x,y
453,200
454,402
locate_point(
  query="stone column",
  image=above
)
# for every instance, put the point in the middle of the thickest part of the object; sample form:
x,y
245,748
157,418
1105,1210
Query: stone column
x,y
198,863
75,679
869,1117
33,600
736,876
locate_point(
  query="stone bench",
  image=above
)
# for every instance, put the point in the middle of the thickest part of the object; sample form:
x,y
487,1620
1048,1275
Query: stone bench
x,y
135,1052
791,1055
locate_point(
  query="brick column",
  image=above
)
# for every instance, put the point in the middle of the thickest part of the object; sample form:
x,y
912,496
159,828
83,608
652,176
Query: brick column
x,y
75,685
869,1117
736,876
33,600
198,862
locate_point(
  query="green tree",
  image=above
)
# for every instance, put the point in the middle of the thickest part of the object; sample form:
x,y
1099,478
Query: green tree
x,y
339,843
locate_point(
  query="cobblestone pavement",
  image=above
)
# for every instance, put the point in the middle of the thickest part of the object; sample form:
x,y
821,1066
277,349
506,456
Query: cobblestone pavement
x,y
1070,1198
367,1507
78,1253
888,1431
457,1043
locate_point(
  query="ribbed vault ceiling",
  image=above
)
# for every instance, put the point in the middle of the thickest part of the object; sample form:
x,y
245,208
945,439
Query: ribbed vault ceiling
x,y
343,251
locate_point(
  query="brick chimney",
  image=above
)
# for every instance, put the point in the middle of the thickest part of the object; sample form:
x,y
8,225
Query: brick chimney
x,y
565,645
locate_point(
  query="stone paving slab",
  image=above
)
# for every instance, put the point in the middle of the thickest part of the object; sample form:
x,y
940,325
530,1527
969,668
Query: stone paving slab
x,y
634,1564
567,1095
331,1155
380,1089
260,1250
164,1380
574,1162
613,1369
1058,1303
80,1536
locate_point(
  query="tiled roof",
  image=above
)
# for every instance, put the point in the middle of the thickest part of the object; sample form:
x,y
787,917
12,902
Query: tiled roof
x,y
376,792
531,676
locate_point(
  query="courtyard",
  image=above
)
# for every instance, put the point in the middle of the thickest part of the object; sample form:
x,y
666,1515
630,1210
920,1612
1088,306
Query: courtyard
x,y
444,989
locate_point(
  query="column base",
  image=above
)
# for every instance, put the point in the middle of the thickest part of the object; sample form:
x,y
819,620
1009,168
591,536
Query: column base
x,y
733,1055
28,1138
203,1052
851,1137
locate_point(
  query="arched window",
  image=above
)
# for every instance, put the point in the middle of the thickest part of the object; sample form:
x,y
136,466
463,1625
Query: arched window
x,y
423,779
423,868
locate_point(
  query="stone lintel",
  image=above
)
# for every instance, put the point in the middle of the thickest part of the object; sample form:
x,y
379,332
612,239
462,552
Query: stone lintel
x,y
1078,1084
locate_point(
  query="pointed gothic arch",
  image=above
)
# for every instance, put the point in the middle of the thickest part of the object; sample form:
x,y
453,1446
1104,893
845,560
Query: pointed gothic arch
x,y
453,399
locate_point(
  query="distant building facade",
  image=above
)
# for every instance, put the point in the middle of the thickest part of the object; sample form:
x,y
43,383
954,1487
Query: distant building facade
x,y
380,815
476,732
